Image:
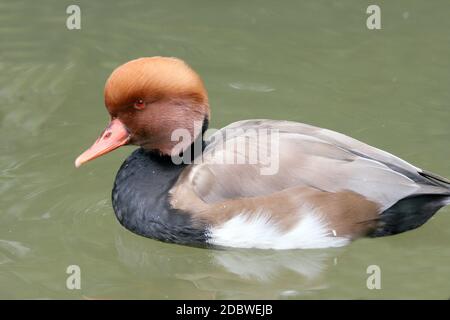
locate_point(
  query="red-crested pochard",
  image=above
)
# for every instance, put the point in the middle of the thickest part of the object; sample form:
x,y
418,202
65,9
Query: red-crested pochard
x,y
325,190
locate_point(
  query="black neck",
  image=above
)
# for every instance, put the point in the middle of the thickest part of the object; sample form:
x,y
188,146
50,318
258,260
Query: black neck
x,y
140,197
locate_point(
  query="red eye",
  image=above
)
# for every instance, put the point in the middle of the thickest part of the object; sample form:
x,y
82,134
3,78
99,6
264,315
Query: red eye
x,y
139,104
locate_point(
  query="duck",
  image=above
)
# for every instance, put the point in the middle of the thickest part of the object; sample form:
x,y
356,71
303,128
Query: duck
x,y
258,183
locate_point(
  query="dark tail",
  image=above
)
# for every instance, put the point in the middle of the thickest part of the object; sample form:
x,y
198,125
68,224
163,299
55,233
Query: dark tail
x,y
409,213
413,211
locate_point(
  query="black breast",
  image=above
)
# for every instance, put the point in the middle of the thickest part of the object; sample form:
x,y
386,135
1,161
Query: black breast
x,y
140,200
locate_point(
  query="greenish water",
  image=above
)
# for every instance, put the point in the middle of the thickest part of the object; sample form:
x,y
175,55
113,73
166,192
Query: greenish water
x,y
309,61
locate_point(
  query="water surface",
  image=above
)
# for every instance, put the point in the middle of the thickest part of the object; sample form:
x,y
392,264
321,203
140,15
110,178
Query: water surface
x,y
309,61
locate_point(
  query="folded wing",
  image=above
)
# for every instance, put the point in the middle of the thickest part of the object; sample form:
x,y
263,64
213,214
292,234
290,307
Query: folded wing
x,y
300,155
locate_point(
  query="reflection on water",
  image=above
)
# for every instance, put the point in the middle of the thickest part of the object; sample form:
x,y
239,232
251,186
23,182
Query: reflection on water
x,y
231,273
308,61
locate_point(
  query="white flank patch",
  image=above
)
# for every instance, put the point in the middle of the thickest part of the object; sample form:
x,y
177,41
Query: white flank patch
x,y
258,230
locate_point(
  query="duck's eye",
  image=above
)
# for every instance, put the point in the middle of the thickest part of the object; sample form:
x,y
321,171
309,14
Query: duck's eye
x,y
139,104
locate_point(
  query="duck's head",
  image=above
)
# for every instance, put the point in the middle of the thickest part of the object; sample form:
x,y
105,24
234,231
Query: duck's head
x,y
147,100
